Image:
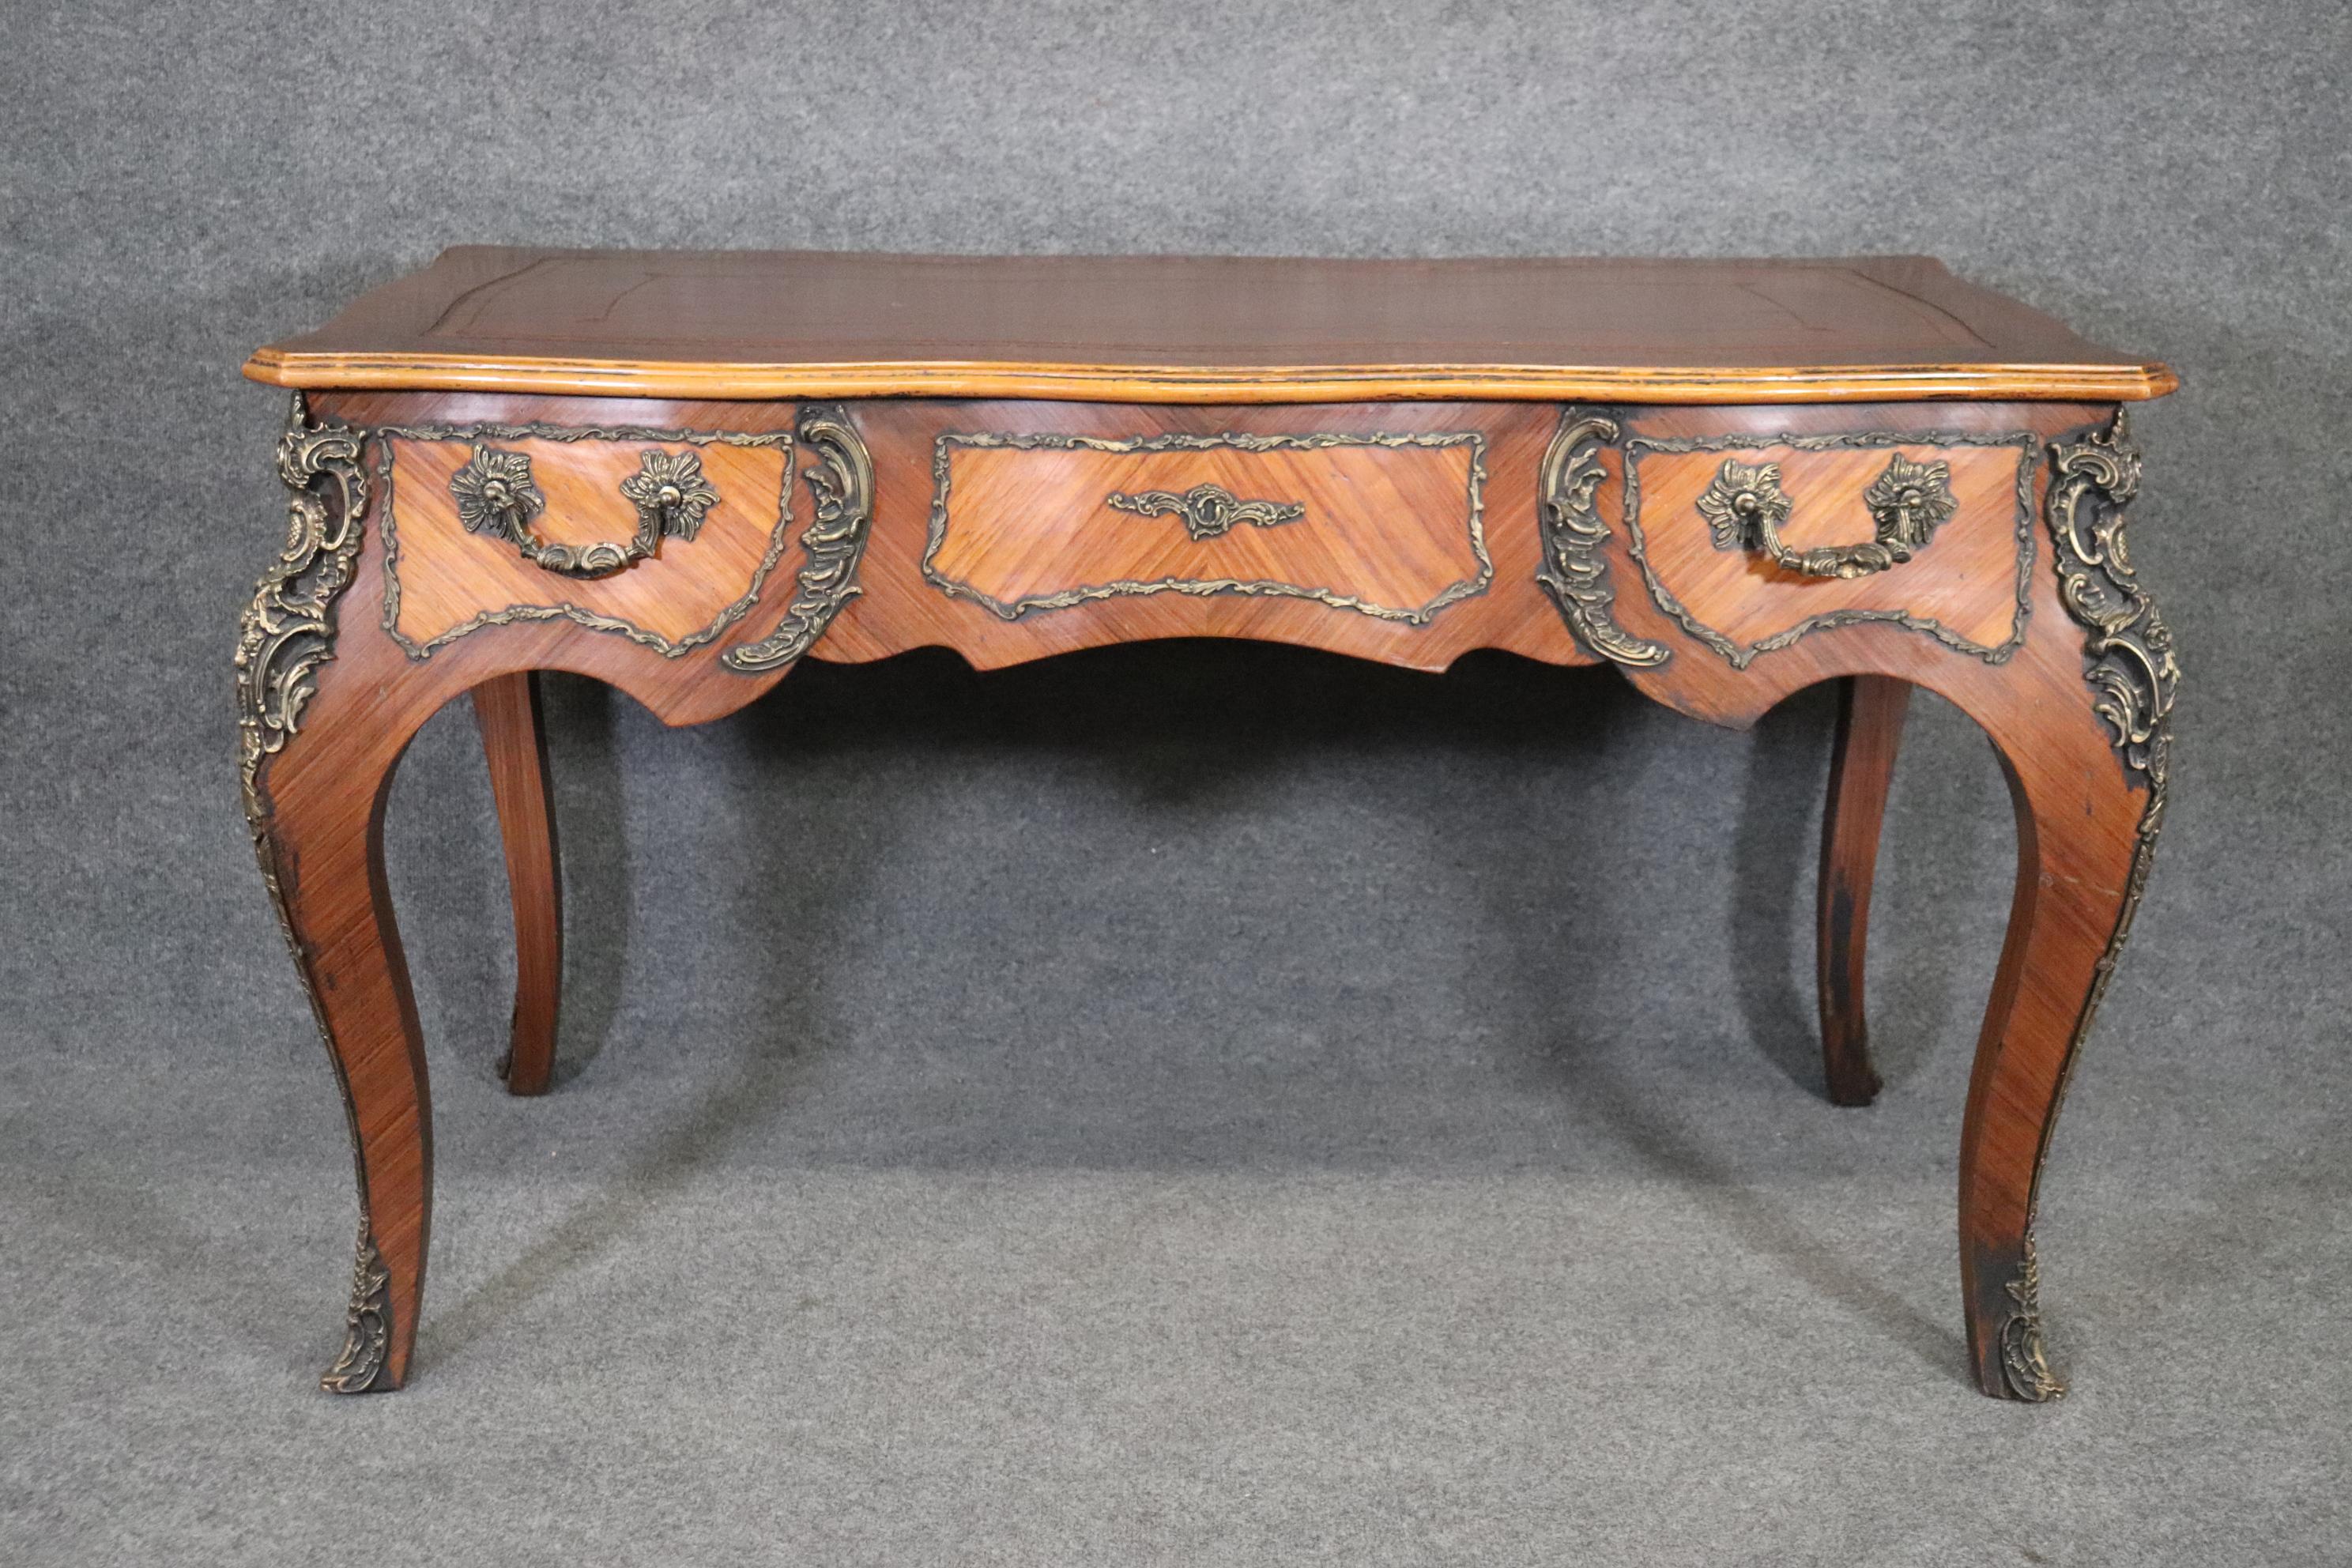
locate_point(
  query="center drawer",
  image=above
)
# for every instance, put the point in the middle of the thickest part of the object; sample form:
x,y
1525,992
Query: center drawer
x,y
1384,523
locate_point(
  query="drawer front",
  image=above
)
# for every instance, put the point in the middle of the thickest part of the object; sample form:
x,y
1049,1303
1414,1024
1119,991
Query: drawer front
x,y
1935,530
1386,524
666,537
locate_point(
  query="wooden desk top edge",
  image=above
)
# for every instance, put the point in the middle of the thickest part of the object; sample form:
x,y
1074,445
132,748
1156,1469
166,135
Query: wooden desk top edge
x,y
911,347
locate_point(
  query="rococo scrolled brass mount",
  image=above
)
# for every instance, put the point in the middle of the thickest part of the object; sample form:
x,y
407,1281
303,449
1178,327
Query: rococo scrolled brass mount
x,y
1745,507
496,495
841,486
1574,571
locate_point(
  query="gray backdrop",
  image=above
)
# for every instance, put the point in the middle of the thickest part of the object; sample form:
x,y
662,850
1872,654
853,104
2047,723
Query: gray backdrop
x,y
1190,1103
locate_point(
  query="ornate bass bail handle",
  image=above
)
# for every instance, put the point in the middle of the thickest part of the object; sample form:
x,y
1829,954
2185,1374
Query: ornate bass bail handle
x,y
496,494
1745,507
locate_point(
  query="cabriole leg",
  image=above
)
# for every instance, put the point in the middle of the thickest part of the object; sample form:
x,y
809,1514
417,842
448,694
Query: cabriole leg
x,y
320,839
2078,876
318,735
2085,738
514,741
1862,766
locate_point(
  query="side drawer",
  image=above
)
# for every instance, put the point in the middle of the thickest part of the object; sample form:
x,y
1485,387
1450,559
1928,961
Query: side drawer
x,y
1753,541
663,536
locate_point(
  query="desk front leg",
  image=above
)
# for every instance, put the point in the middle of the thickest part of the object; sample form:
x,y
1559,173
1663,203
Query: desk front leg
x,y
2076,699
2081,864
318,738
320,839
2084,736
340,661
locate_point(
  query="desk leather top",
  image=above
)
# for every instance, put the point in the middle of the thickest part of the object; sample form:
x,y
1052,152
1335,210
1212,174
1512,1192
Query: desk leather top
x,y
781,324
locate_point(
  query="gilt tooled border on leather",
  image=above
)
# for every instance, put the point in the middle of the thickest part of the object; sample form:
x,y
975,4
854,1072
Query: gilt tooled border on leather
x,y
1739,656
591,620
1201,587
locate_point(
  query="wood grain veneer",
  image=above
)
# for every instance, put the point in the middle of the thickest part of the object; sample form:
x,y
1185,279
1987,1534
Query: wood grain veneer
x,y
449,581
1861,772
1389,526
1385,524
514,742
1968,582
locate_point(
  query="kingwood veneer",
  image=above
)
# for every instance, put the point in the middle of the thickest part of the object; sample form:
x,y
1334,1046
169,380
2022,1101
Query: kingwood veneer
x,y
683,473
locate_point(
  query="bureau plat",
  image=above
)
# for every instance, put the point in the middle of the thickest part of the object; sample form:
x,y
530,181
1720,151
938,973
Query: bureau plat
x,y
682,473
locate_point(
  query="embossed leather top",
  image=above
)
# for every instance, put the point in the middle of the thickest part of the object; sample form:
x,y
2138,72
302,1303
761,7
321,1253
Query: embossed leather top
x,y
1198,330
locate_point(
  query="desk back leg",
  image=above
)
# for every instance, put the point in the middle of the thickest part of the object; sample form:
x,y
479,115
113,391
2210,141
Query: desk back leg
x,y
514,741
1862,766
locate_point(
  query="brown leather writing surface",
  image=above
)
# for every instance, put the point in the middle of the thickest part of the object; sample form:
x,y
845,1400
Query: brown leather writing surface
x,y
1198,329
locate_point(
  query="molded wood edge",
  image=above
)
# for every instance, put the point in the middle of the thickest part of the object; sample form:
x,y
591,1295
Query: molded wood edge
x,y
1273,383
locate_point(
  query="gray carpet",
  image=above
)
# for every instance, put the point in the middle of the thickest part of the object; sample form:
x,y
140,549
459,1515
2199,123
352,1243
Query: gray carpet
x,y
1188,1104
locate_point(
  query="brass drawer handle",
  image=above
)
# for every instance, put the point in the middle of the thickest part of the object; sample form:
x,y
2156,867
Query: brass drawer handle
x,y
1744,506
1208,511
496,495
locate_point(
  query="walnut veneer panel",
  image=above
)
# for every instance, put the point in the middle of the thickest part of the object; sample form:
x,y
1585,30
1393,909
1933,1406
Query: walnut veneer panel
x,y
1198,330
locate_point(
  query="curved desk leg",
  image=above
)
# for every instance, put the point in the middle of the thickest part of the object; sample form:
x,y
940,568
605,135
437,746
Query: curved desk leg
x,y
2084,729
507,709
319,834
2079,712
2080,869
330,693
1869,732
322,724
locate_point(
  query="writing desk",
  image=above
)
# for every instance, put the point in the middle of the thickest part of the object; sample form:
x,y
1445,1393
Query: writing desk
x,y
683,473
